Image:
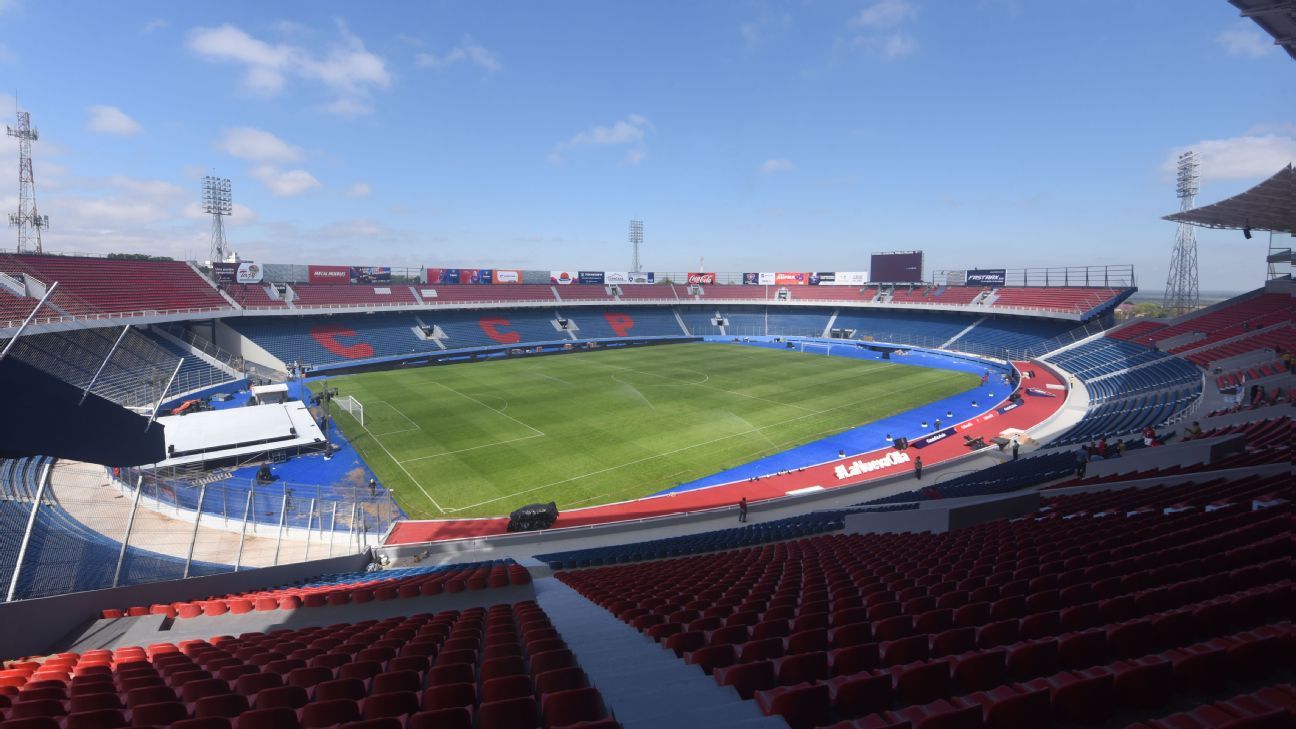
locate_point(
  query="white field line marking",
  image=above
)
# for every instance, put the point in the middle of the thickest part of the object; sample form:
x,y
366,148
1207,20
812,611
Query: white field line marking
x,y
677,450
402,467
555,379
636,391
488,407
472,448
398,412
712,387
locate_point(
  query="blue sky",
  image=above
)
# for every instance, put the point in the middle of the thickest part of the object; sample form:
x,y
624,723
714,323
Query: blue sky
x,y
759,135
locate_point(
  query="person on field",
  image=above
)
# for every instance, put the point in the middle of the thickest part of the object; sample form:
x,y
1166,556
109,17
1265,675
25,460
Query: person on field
x,y
742,510
918,468
1015,446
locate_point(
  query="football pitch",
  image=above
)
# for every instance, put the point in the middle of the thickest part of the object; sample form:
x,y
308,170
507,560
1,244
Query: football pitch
x,y
588,428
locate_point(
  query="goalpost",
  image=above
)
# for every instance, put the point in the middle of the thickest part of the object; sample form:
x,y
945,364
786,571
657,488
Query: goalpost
x,y
353,407
817,347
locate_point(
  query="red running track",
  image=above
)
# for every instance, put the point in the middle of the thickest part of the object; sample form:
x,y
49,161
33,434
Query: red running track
x,y
1032,411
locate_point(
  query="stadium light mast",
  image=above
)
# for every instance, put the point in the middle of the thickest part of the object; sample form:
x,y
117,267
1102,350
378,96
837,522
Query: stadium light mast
x,y
27,220
217,202
1181,284
636,240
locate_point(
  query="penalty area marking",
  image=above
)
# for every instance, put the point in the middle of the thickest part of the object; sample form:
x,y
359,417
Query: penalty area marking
x,y
533,429
402,467
398,412
759,430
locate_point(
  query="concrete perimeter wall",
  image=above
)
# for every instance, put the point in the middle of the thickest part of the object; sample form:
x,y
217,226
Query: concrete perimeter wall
x,y
41,626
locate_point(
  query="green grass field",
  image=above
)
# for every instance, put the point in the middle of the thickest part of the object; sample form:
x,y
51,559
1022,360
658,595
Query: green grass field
x,y
596,427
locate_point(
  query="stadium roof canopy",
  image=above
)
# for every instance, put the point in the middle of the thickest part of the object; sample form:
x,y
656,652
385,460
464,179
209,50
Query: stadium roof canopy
x,y
1275,17
1271,205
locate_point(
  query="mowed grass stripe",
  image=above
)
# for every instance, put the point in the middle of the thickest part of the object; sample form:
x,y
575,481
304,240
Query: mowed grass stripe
x,y
611,425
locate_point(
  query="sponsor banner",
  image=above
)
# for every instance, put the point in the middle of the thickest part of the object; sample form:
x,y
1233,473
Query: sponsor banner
x,y
987,277
701,278
224,273
443,275
955,278
474,275
859,468
1006,408
370,274
823,278
927,440
589,277
616,277
765,278
751,279
798,278
535,277
506,276
1038,392
851,278
248,273
562,278
643,277
338,275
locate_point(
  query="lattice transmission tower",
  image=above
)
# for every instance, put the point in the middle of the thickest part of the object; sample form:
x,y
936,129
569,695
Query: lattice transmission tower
x,y
1181,285
27,220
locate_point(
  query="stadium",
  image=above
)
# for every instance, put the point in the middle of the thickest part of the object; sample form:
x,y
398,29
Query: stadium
x,y
247,494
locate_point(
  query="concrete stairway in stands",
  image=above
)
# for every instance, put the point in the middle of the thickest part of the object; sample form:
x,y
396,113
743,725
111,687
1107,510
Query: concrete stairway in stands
x,y
644,685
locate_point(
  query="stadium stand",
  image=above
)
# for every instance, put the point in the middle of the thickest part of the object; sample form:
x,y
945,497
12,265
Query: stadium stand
x,y
583,293
999,479
195,369
1014,333
96,286
1130,387
1078,300
317,295
763,533
644,292
493,668
347,588
1100,604
63,554
448,293
254,296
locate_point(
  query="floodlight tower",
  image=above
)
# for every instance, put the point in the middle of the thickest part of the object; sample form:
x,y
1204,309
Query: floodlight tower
x,y
217,202
636,240
28,222
1181,285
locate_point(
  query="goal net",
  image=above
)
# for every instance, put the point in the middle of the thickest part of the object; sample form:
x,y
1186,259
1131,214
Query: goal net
x,y
353,407
817,348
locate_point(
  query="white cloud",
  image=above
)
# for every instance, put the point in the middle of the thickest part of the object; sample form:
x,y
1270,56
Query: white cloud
x,y
285,183
775,166
765,26
111,120
346,67
155,24
467,51
884,14
360,189
628,131
878,30
1246,41
257,145
1239,158
347,107
634,157
898,45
